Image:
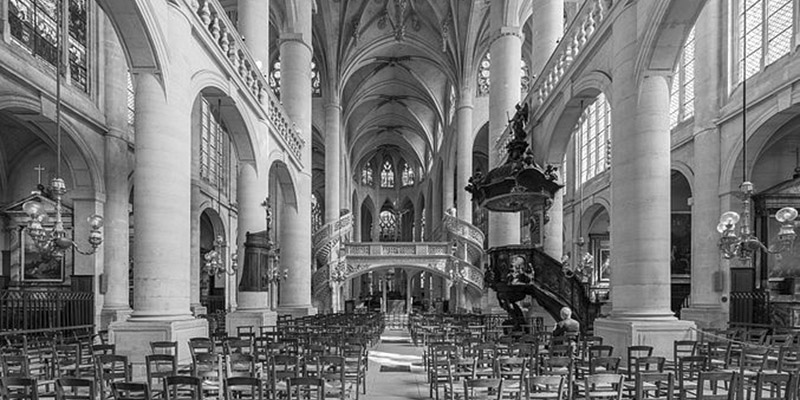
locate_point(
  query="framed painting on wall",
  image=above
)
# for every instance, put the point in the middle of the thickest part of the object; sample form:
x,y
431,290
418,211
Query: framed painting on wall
x,y
36,266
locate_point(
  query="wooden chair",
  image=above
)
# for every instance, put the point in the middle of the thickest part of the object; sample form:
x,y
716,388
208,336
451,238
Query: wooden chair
x,y
158,367
655,385
14,388
240,364
544,387
717,385
682,348
513,371
132,391
243,388
689,369
282,367
775,386
111,368
483,389
331,369
16,366
183,388
301,388
75,389
634,353
603,386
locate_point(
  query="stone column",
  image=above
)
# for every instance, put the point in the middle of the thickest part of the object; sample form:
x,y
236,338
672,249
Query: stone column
x,y
707,274
333,113
448,194
254,27
162,219
464,153
547,27
640,212
506,51
296,52
117,169
253,307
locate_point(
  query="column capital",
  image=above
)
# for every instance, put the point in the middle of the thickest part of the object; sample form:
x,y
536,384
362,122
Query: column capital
x,y
287,37
333,104
507,31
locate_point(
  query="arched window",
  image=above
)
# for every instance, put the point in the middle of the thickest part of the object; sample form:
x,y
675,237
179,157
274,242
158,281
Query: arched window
x,y
484,75
131,101
316,213
33,25
388,225
387,175
681,102
366,175
593,134
215,148
769,33
408,175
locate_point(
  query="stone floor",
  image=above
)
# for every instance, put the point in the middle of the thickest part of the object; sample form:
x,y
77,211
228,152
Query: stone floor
x,y
402,376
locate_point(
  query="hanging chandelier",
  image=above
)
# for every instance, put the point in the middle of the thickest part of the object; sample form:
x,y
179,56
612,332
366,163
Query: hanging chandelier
x,y
740,242
215,259
53,242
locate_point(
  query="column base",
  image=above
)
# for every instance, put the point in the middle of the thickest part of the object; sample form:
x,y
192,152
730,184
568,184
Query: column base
x,y
254,318
298,311
198,309
110,315
132,339
706,316
659,333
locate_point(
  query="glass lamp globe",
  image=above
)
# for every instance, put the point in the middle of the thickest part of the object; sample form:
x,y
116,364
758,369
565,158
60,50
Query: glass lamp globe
x,y
729,218
786,214
32,208
95,221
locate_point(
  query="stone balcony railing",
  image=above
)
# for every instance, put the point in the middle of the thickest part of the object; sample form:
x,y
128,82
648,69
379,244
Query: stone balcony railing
x,y
576,40
463,229
398,249
329,234
220,30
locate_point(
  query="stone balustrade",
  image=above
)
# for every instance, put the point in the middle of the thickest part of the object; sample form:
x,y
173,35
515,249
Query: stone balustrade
x,y
573,44
463,229
211,16
329,235
398,249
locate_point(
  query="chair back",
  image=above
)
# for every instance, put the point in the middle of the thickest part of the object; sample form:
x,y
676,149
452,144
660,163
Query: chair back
x,y
200,345
179,387
683,348
606,365
484,388
244,388
16,388
74,389
239,364
131,391
544,387
717,385
16,366
305,388
603,386
649,365
655,385
164,347
160,366
775,386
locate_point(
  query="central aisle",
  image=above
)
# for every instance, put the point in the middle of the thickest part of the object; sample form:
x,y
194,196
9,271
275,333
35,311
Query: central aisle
x,y
395,369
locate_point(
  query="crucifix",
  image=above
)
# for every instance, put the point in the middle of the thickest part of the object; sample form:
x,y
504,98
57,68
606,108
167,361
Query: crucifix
x,y
39,169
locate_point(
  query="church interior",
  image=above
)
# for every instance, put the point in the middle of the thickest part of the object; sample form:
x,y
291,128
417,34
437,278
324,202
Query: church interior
x,y
392,177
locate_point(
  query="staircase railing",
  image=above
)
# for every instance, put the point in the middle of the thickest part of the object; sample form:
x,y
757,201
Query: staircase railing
x,y
329,234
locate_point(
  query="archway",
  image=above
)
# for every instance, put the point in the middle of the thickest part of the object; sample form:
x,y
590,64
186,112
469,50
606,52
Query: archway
x,y
367,209
212,286
681,239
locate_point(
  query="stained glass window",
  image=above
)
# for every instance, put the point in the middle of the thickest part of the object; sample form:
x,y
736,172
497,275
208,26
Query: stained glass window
x,y
593,132
316,213
315,80
366,175
484,75
769,31
33,23
681,104
215,149
408,175
422,225
387,175
275,78
388,226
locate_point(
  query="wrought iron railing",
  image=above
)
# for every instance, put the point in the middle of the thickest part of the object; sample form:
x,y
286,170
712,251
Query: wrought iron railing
x,y
44,309
576,39
215,23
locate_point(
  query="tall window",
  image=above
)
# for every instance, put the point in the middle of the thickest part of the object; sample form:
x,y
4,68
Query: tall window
x,y
408,175
316,213
387,175
215,149
681,102
316,91
33,25
593,132
366,175
484,75
388,225
769,33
